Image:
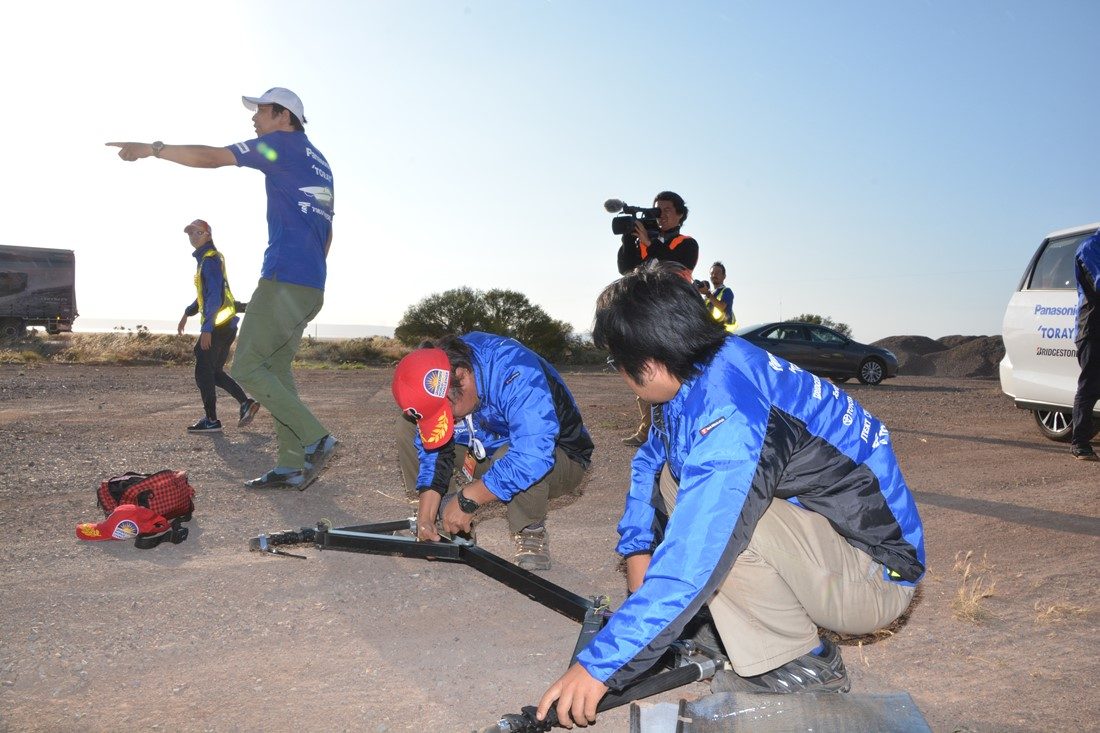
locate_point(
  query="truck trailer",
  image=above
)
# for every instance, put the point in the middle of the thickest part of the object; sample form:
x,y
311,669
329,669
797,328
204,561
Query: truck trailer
x,y
37,288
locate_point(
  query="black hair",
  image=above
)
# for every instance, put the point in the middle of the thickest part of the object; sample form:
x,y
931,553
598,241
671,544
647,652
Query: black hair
x,y
718,264
277,109
677,202
653,313
458,353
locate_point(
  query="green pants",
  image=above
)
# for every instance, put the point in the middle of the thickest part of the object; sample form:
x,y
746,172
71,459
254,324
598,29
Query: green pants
x,y
270,334
526,508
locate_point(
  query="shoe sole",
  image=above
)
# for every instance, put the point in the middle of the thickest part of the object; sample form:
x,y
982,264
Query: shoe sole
x,y
204,430
534,565
1088,457
244,421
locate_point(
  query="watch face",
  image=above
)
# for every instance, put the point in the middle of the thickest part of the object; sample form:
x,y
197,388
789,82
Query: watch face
x,y
467,505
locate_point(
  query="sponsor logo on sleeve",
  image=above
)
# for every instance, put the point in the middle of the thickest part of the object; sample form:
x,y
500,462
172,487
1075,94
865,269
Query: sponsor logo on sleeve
x,y
850,413
707,428
243,148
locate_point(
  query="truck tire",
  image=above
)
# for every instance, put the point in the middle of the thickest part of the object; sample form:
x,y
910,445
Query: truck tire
x,y
12,327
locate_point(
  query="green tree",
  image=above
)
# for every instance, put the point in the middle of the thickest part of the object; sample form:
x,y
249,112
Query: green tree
x,y
504,312
841,328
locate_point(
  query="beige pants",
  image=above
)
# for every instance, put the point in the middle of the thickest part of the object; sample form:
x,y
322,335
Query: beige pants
x,y
526,508
796,574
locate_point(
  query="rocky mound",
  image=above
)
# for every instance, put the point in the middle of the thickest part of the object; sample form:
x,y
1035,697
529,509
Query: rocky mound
x,y
950,356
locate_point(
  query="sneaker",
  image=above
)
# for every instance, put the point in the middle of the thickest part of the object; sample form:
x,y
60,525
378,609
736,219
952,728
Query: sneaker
x,y
809,673
634,441
206,425
1084,453
249,408
320,452
533,548
276,479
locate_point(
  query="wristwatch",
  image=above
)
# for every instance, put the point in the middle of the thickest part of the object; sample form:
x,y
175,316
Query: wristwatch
x,y
465,504
157,147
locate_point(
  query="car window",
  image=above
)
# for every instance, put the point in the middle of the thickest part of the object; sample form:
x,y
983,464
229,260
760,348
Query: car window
x,y
1054,269
824,336
784,333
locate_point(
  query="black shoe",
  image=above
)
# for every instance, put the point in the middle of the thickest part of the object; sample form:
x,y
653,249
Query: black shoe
x,y
1084,453
249,408
808,673
206,425
277,480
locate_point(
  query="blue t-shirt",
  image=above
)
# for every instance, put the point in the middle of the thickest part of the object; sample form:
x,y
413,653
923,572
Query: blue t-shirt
x,y
299,205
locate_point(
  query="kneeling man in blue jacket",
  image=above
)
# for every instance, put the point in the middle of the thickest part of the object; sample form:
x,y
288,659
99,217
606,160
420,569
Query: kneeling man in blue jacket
x,y
493,422
763,491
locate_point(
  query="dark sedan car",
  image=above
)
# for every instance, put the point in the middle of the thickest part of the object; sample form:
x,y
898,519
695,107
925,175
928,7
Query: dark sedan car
x,y
823,351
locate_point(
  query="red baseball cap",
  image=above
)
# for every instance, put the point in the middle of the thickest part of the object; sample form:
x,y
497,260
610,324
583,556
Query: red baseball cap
x,y
420,389
197,225
126,522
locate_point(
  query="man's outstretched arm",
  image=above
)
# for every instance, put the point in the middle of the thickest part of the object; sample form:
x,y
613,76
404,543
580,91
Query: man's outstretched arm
x,y
193,156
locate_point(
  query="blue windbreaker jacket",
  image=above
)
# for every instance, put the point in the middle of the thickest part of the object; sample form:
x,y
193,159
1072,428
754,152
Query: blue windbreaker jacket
x,y
1087,262
523,403
749,429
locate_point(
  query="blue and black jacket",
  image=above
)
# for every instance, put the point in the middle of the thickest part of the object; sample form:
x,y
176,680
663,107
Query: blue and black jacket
x,y
1087,263
750,429
522,403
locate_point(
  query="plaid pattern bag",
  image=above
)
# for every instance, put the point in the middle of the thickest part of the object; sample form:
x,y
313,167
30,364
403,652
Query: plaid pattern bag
x,y
165,492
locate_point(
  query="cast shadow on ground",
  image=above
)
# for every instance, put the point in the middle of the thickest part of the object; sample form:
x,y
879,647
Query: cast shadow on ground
x,y
1042,518
1003,442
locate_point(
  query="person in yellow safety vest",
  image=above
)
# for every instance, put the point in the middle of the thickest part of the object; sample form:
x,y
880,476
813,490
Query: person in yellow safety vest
x,y
720,300
218,313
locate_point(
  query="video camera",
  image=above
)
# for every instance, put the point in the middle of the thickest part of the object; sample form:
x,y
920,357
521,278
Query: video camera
x,y
624,225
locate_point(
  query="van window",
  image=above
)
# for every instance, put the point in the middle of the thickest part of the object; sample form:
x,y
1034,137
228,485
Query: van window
x,y
1055,270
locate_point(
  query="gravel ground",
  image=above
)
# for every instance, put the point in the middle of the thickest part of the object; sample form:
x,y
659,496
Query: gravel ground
x,y
207,636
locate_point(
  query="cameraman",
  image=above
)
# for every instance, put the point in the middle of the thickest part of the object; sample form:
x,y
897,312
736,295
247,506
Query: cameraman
x,y
719,301
667,245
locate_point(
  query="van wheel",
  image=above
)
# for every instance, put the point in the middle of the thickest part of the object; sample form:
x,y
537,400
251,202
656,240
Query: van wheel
x,y
1053,424
871,371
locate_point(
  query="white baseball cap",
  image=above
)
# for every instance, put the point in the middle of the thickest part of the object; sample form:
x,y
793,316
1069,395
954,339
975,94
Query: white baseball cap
x,y
278,95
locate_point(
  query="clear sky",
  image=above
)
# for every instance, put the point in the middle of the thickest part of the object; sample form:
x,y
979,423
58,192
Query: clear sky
x,y
891,165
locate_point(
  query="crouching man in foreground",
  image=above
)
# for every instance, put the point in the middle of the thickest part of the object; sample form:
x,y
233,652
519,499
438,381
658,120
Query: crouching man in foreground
x,y
521,440
763,491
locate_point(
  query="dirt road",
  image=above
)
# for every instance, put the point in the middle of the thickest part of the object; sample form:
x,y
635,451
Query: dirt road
x,y
206,636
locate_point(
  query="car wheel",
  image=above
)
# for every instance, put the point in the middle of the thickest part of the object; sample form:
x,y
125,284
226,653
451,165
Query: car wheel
x,y
871,371
1054,425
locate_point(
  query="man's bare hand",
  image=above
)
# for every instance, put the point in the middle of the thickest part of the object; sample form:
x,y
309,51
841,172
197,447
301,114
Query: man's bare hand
x,y
578,693
455,520
204,341
641,234
182,323
425,515
132,151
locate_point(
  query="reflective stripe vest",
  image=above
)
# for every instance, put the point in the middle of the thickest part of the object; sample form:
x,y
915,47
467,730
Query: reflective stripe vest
x,y
229,305
671,245
719,313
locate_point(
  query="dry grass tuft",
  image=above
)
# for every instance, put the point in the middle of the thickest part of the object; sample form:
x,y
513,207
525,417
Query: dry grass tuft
x,y
968,603
1055,612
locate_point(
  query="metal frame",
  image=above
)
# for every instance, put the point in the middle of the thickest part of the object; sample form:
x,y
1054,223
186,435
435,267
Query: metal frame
x,y
685,662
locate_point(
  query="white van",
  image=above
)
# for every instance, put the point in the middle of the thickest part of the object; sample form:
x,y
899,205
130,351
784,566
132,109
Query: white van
x,y
1039,370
